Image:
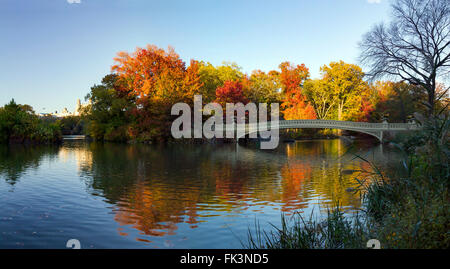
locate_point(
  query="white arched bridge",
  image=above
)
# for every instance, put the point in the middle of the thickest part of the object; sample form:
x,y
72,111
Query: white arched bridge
x,y
373,129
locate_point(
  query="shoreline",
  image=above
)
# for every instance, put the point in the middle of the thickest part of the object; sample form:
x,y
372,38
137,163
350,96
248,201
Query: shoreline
x,y
283,140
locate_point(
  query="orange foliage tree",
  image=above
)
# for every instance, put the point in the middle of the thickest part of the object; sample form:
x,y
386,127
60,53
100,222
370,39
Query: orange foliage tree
x,y
295,105
158,79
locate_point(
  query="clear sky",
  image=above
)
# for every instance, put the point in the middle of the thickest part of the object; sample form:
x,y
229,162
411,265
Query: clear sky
x,y
53,51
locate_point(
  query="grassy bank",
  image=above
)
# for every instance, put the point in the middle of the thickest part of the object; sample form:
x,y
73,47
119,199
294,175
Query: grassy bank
x,y
408,209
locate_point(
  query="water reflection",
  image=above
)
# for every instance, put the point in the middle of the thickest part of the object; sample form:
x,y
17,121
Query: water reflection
x,y
17,159
155,190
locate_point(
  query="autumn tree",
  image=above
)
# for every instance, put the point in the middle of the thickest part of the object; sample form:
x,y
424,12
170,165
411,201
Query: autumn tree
x,y
263,87
341,93
158,79
345,81
151,72
295,105
213,77
414,47
367,106
230,92
192,83
108,115
321,97
397,101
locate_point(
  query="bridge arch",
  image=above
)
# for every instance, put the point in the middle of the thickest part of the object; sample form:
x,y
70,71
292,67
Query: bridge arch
x,y
374,129
377,135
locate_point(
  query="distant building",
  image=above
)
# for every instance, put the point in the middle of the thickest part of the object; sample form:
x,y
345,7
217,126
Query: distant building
x,y
45,115
66,113
79,107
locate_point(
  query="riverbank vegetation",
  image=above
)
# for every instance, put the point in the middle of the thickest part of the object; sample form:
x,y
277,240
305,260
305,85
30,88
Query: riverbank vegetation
x,y
71,125
408,209
134,101
299,232
19,124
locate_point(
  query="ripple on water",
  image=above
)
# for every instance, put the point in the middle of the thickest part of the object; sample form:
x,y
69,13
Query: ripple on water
x,y
133,196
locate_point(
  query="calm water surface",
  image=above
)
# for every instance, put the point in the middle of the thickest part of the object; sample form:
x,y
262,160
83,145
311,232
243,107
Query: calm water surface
x,y
193,196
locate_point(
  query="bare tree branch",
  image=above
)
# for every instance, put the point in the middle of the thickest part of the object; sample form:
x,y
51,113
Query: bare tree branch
x,y
415,46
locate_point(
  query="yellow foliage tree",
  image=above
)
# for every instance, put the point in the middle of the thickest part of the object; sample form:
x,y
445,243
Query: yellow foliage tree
x,y
345,81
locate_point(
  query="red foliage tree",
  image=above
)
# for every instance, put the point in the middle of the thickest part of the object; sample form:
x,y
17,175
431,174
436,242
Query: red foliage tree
x,y
295,105
367,107
230,92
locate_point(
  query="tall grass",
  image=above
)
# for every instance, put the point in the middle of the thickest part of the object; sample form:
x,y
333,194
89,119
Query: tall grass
x,y
337,231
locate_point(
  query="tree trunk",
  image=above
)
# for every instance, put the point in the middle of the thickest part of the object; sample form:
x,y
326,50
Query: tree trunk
x,y
431,90
431,100
340,107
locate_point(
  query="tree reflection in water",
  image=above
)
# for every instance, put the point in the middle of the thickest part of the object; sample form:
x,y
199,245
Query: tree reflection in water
x,y
154,188
17,159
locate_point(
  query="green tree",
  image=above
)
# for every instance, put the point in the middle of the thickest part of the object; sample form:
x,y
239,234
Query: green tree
x,y
19,124
108,114
71,125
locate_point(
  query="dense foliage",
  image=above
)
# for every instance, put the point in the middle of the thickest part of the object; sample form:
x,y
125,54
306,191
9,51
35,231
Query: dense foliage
x,y
71,125
134,101
413,207
19,124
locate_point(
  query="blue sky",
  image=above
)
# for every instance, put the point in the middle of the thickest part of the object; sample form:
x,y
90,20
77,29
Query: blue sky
x,y
53,51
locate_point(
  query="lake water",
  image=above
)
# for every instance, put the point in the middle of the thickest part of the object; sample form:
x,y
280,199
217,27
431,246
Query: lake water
x,y
173,196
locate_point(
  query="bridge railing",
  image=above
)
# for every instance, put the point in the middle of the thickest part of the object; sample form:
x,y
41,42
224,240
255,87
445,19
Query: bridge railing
x,y
333,124
351,124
